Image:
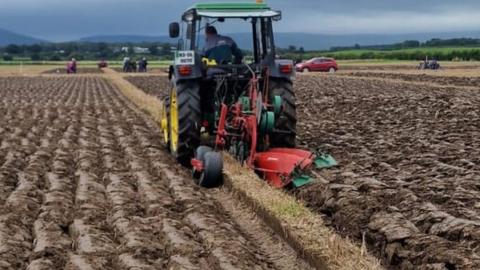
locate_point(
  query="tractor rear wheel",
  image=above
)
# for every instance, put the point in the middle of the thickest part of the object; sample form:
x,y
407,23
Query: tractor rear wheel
x,y
184,120
286,121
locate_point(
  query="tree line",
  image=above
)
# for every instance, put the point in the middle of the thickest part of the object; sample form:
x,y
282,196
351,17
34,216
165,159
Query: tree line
x,y
411,44
465,49
84,51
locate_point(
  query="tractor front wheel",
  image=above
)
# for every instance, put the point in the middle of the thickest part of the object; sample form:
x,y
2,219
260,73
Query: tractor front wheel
x,y
284,132
184,120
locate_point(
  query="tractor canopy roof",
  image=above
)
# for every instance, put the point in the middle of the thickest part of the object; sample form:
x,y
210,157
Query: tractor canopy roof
x,y
231,10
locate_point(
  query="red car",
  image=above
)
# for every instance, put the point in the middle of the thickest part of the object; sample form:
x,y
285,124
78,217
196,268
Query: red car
x,y
318,64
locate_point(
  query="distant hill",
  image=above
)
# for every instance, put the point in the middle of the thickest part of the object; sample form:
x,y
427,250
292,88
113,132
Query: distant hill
x,y
283,40
325,42
8,37
308,41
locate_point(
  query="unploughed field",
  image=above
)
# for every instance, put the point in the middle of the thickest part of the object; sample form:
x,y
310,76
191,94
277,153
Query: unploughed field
x,y
402,66
150,70
80,70
409,181
85,183
458,81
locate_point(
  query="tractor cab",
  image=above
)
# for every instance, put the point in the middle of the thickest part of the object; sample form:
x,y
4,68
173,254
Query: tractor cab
x,y
254,18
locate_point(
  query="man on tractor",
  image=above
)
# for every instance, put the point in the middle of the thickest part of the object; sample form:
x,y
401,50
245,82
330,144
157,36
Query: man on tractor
x,y
221,48
220,102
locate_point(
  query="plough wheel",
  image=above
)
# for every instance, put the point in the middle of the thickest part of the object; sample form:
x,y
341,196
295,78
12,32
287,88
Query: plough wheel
x,y
200,155
212,174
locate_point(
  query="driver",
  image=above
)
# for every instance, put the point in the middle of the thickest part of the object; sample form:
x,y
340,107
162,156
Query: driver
x,y
221,48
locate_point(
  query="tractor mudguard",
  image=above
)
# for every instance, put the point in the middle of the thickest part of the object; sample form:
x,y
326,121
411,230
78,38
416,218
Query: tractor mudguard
x,y
274,69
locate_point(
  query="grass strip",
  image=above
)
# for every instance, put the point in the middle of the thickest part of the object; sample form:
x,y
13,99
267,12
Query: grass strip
x,y
147,103
302,229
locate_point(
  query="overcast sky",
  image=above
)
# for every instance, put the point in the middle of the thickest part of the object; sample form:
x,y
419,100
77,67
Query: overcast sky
x,y
60,20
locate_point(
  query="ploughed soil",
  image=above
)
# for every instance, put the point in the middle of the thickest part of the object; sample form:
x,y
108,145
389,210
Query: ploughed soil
x,y
377,67
158,86
409,180
155,70
423,78
412,66
81,70
408,184
85,183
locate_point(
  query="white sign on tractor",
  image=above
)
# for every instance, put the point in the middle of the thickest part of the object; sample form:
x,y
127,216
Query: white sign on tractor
x,y
185,58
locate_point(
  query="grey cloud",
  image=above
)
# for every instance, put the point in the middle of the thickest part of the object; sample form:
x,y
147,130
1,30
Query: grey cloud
x,y
67,19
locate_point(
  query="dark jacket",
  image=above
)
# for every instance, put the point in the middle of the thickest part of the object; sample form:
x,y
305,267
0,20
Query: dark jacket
x,y
221,49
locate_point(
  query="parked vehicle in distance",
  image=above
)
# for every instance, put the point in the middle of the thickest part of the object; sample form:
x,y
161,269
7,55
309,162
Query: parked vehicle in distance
x,y
318,64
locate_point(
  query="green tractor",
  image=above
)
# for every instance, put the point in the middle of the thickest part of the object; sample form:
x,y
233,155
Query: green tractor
x,y
246,108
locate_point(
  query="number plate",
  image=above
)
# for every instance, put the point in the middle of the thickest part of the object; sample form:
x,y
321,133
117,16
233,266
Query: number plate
x,y
185,58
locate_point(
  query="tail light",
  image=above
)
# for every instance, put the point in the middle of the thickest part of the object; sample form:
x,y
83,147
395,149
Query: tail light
x,y
286,68
185,70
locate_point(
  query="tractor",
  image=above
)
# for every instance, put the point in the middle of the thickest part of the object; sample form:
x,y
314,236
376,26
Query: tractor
x,y
246,109
429,64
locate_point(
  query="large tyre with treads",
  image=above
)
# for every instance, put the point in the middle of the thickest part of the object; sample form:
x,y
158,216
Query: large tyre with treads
x,y
285,130
184,120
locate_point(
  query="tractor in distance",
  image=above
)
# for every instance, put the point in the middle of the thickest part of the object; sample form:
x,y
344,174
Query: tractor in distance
x,y
246,108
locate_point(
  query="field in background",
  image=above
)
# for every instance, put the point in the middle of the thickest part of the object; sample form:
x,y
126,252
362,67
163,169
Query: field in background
x,y
156,63
369,62
26,69
440,53
461,68
40,67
